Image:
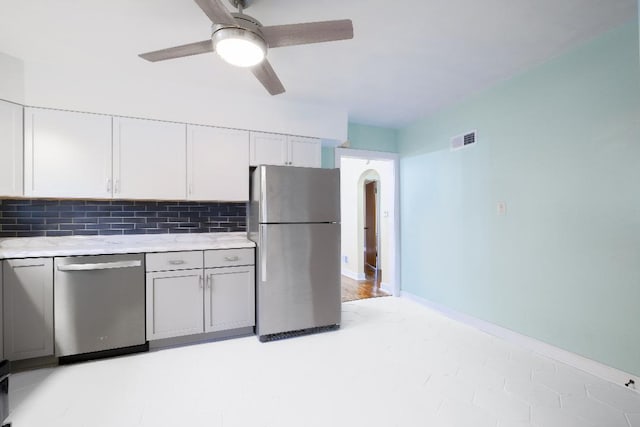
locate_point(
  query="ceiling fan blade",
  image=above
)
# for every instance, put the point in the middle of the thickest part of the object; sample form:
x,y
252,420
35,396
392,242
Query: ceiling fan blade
x,y
179,51
264,72
310,32
216,11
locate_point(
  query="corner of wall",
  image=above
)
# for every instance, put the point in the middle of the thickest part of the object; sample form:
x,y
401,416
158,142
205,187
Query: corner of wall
x,y
12,85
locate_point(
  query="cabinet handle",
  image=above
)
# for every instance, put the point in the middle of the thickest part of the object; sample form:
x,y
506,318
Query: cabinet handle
x,y
209,280
117,189
263,254
99,266
108,186
201,281
231,258
176,262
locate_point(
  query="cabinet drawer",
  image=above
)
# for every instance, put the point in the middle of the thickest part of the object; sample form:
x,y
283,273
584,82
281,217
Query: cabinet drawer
x,y
167,261
228,257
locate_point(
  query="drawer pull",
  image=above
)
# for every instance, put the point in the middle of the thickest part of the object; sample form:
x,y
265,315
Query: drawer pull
x,y
231,258
176,262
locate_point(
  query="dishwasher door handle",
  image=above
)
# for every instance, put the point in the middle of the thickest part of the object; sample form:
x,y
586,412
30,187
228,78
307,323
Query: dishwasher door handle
x,y
100,266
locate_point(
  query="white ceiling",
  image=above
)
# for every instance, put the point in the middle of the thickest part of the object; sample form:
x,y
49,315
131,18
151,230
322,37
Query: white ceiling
x,y
404,62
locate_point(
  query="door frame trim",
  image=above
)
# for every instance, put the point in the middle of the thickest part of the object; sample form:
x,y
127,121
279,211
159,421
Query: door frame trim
x,y
394,287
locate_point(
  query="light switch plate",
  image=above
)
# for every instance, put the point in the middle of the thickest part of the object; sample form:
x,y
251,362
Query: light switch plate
x,y
501,208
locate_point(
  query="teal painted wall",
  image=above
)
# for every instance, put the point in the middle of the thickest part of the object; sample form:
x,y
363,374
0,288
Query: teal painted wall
x,y
364,137
373,138
560,144
328,157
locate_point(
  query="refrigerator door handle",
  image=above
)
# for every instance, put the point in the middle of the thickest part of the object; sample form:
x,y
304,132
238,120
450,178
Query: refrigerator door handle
x,y
263,194
263,255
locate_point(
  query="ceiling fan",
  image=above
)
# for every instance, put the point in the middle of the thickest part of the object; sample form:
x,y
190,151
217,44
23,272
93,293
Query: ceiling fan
x,y
243,41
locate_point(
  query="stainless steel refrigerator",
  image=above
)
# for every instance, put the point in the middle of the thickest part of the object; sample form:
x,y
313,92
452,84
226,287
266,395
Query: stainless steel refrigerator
x,y
294,218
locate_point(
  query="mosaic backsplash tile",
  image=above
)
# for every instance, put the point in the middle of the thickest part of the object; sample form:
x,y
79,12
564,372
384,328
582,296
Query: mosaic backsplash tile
x,y
38,217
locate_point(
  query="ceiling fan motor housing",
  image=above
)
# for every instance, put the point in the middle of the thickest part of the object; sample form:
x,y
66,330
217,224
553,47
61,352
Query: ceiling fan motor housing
x,y
241,3
246,24
246,29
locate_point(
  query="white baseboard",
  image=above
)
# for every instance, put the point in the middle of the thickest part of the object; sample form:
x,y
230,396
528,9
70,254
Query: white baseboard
x,y
352,275
388,288
590,366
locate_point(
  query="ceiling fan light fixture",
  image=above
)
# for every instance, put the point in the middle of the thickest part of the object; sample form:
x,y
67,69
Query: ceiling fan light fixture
x,y
239,47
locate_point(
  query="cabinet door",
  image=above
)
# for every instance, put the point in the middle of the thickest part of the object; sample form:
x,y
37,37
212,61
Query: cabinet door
x,y
217,164
268,149
67,154
1,317
10,149
174,303
229,298
149,159
305,152
28,308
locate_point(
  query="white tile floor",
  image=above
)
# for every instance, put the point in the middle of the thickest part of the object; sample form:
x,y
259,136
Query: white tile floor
x,y
393,363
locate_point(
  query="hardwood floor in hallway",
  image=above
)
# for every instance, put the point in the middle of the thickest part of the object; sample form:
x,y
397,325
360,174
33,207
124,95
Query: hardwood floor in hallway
x,y
355,290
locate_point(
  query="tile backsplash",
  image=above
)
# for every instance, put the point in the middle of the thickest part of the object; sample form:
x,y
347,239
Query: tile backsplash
x,y
38,217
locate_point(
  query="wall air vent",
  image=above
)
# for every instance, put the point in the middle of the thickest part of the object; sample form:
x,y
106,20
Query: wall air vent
x,y
460,141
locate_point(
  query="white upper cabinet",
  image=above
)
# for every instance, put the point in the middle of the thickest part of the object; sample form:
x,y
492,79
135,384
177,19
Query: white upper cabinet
x,y
67,154
305,152
149,159
217,164
268,149
283,150
10,149
95,156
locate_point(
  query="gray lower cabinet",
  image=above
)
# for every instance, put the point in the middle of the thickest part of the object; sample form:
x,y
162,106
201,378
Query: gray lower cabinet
x,y
28,308
229,301
195,292
174,304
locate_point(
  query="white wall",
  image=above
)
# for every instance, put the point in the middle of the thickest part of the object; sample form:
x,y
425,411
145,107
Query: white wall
x,y
11,79
352,207
101,87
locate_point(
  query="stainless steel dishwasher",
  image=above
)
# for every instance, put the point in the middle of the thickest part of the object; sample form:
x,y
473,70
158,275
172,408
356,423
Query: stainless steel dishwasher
x,y
99,306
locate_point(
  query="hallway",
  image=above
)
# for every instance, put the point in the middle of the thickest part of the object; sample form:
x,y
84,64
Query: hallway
x,y
354,290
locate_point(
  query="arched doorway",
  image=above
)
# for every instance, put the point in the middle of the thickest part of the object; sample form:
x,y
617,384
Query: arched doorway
x,y
369,220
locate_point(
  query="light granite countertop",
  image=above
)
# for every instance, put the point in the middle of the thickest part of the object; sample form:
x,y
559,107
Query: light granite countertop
x,y
35,247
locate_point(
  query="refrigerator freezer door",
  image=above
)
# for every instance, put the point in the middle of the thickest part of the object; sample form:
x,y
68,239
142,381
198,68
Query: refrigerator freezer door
x,y
298,277
293,195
